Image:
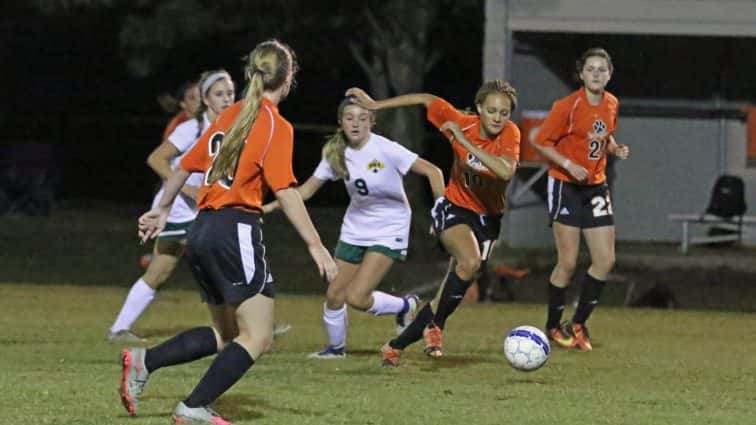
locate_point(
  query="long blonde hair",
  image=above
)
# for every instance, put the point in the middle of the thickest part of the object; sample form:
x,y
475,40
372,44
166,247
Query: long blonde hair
x,y
268,68
335,146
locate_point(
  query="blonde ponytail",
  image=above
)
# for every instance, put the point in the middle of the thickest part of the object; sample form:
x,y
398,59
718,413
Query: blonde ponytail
x,y
333,152
270,65
233,142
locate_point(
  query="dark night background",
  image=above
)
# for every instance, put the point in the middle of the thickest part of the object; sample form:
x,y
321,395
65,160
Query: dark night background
x,y
73,81
68,84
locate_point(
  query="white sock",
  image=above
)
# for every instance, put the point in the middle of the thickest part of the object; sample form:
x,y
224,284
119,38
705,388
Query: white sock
x,y
335,322
384,303
140,296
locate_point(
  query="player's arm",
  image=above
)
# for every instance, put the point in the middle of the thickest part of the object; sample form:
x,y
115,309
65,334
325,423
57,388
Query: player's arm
x,y
292,205
367,102
434,175
160,162
620,150
152,222
550,133
501,166
306,190
160,159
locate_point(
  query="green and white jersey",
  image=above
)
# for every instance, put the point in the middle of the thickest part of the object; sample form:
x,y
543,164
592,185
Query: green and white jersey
x,y
378,212
184,137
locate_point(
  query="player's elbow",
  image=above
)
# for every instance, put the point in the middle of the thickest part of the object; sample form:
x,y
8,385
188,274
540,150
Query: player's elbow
x,y
506,174
535,143
435,173
428,98
153,161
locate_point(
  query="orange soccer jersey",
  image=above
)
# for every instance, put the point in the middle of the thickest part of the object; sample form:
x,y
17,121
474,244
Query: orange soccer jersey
x,y
472,185
175,122
265,161
580,132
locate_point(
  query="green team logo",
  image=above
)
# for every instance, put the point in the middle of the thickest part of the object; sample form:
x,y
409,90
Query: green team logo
x,y
375,166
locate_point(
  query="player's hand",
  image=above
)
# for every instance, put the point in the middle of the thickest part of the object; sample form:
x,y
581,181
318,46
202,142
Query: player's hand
x,y
578,172
361,98
622,151
152,223
270,207
326,266
453,128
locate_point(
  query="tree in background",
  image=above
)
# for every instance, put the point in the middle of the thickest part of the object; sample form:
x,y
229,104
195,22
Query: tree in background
x,y
395,44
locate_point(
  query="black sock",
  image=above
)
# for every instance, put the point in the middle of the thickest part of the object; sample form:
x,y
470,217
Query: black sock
x,y
185,347
557,297
452,294
414,331
230,365
589,297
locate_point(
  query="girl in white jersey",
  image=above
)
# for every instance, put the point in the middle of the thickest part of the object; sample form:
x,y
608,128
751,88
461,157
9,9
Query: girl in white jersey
x,y
375,231
217,92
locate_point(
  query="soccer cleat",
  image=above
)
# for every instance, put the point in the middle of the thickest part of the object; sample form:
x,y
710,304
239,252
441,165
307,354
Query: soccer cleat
x,y
561,337
434,341
329,353
125,336
183,414
280,329
133,378
404,319
390,356
582,337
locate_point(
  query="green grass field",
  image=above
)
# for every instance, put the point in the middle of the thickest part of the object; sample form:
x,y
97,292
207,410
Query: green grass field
x,y
649,367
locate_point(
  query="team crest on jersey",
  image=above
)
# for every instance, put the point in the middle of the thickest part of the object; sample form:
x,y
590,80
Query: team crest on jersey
x,y
375,166
599,130
475,163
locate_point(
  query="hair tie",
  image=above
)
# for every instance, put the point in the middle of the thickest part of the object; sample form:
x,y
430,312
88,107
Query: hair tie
x,y
212,79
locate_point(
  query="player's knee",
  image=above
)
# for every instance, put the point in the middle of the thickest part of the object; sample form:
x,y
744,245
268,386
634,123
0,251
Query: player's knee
x,y
257,343
359,300
335,297
566,268
155,277
220,341
605,264
468,267
226,334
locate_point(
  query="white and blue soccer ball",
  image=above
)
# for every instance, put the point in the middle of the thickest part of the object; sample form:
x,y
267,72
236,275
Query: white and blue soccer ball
x,y
526,348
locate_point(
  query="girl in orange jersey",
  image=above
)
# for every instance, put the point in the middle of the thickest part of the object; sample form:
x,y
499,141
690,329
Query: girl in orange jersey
x,y
217,94
576,136
467,218
246,152
188,100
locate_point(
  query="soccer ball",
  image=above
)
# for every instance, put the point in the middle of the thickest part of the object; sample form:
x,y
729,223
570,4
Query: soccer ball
x,y
526,348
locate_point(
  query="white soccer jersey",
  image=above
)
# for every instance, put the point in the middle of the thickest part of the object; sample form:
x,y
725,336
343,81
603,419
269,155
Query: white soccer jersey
x,y
378,212
183,138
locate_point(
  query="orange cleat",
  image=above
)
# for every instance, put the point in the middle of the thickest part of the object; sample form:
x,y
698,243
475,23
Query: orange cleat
x,y
561,337
582,337
434,341
390,356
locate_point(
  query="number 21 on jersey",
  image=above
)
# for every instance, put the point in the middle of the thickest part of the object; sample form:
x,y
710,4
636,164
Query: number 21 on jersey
x,y
214,145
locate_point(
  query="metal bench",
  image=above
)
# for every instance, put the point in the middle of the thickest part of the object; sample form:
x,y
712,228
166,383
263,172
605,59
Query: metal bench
x,y
739,225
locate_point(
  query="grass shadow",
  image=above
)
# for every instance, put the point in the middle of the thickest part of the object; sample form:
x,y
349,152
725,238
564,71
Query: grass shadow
x,y
454,361
246,407
363,353
151,333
